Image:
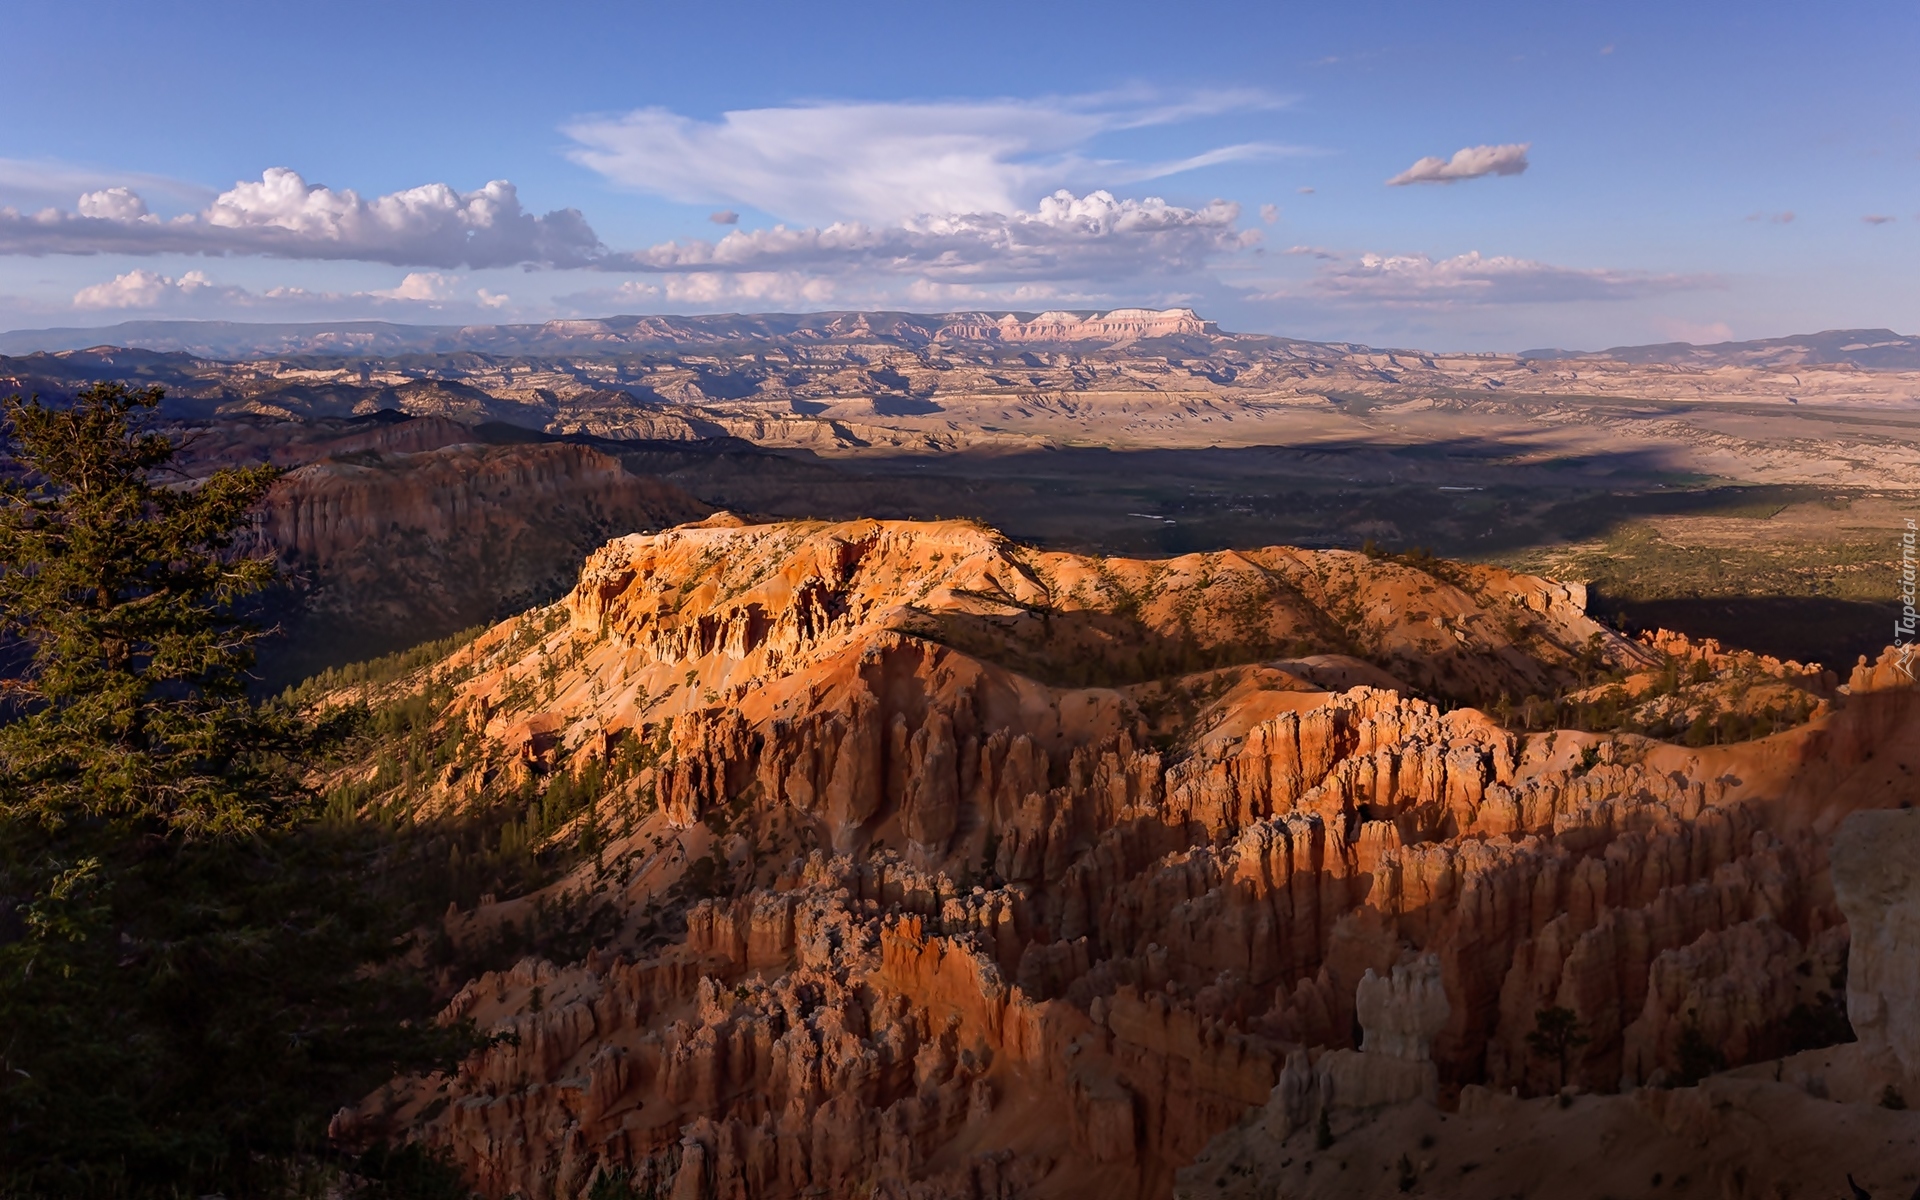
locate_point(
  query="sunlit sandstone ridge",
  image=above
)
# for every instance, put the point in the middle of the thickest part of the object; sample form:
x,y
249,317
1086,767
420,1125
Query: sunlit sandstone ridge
x,y
946,867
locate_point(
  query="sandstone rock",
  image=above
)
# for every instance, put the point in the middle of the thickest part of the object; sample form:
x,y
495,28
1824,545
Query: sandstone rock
x,y
1404,1012
979,932
1876,878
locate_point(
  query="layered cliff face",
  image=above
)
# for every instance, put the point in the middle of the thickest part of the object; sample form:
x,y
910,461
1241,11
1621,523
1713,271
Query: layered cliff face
x,y
944,867
408,531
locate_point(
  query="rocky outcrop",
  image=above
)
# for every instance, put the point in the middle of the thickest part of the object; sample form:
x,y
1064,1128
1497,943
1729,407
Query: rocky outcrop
x,y
1876,878
1028,874
1748,1136
1400,1014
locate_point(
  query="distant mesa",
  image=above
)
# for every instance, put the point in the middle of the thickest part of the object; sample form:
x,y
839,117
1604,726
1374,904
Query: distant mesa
x,y
728,333
618,334
1869,349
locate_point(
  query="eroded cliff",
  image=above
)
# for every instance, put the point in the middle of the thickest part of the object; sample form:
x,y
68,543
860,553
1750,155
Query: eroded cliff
x,y
938,866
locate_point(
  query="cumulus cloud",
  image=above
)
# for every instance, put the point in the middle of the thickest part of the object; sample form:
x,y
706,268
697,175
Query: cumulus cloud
x,y
1065,237
140,289
1066,249
1415,280
194,290
763,289
282,215
426,286
114,204
1270,213
1469,163
823,163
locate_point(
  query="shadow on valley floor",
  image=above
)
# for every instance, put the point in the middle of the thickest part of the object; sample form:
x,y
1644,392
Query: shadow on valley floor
x,y
1463,498
1469,498
1834,633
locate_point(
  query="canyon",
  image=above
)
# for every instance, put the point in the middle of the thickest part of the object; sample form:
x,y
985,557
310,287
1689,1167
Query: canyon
x,y
1097,754
390,532
1743,492
1835,407
934,865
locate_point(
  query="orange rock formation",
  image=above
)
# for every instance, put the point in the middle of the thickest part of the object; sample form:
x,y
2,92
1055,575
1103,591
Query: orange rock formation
x,y
1027,874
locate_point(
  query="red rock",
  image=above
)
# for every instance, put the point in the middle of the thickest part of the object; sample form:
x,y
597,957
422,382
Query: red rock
x,y
983,934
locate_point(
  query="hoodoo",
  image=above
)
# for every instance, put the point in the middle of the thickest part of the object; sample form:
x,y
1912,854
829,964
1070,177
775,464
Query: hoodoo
x,y
939,866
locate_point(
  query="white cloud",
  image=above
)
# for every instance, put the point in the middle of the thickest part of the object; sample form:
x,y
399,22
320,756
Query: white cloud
x,y
426,286
282,215
1270,213
751,287
1415,280
193,290
889,163
1064,237
1470,163
140,289
114,204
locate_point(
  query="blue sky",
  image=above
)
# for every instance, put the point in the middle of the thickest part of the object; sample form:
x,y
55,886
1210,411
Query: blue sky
x,y
1619,172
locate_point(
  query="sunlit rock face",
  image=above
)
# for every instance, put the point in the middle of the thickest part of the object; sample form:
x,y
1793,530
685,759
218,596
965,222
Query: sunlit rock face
x,y
946,867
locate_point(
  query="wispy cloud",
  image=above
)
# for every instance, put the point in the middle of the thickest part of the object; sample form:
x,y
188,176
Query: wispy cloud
x,y
1878,219
282,215
36,183
887,163
1469,163
1415,280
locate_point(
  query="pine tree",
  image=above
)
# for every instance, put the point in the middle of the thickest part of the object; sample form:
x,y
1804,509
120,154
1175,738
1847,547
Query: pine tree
x,y
133,705
184,987
1556,1035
